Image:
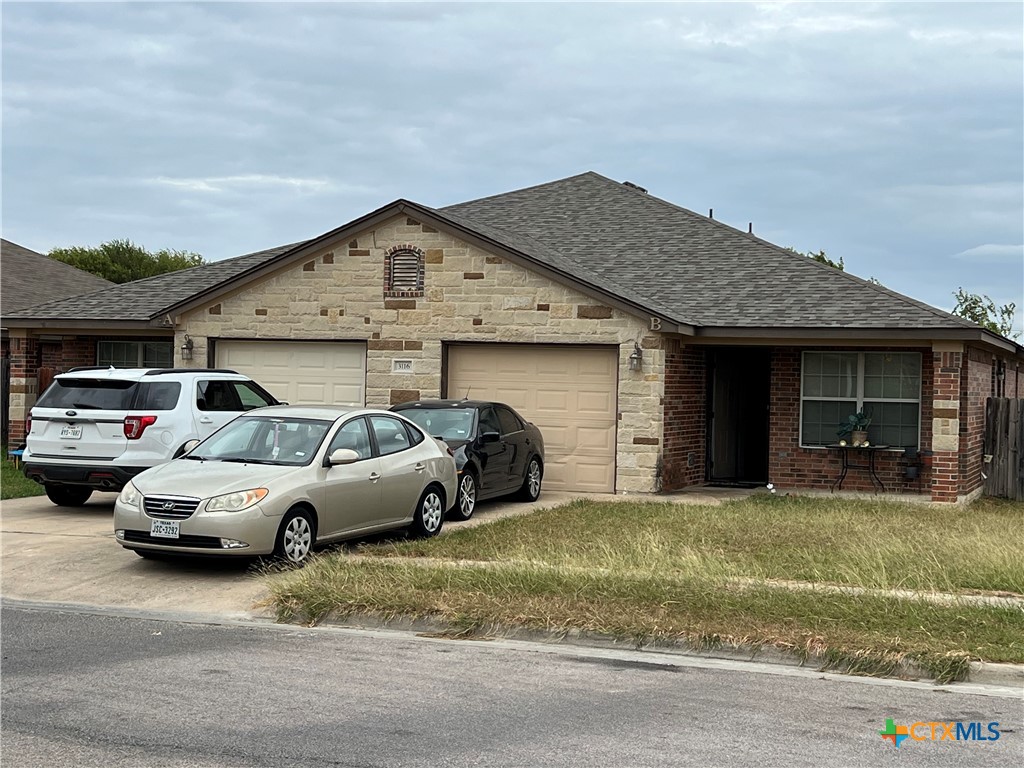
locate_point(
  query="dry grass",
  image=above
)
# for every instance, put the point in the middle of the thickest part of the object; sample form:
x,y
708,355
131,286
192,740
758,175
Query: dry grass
x,y
664,572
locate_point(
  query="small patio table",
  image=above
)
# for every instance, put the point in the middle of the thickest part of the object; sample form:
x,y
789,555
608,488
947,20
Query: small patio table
x,y
865,456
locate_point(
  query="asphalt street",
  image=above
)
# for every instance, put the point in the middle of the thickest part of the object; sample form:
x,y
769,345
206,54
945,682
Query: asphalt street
x,y
98,690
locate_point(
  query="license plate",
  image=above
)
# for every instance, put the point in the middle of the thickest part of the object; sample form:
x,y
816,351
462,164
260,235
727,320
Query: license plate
x,y
165,529
71,432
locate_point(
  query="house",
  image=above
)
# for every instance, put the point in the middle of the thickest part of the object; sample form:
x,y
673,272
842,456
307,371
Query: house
x,y
655,347
28,278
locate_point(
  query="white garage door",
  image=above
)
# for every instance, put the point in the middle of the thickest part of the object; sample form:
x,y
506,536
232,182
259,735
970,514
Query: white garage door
x,y
301,372
569,392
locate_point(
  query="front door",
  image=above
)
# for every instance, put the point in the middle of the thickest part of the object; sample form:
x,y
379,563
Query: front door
x,y
739,386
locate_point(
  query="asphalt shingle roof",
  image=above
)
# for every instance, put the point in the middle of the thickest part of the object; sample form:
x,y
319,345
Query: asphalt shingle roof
x,y
29,278
686,266
148,298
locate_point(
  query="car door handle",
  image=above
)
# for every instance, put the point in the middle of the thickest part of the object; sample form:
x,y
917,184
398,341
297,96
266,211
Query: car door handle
x,y
206,421
374,477
420,467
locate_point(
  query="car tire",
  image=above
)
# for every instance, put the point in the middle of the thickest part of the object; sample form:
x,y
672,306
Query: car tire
x,y
68,495
531,482
429,515
465,502
295,537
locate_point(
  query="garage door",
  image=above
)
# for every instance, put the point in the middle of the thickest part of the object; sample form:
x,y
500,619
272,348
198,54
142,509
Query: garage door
x,y
569,392
301,372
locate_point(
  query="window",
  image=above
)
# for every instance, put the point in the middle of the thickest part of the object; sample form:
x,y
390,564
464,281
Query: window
x,y
489,422
403,272
135,354
230,396
886,385
354,436
509,422
158,396
390,433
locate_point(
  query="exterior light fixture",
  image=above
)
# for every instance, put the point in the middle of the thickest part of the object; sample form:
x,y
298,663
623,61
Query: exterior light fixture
x,y
187,347
636,360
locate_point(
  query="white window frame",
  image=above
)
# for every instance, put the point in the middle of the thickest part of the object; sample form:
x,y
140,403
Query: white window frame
x,y
139,348
860,388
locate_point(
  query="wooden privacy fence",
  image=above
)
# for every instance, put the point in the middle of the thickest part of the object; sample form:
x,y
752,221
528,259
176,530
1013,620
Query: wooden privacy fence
x,y
1004,448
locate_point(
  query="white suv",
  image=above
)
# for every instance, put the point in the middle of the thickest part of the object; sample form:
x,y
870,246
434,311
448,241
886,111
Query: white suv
x,y
96,428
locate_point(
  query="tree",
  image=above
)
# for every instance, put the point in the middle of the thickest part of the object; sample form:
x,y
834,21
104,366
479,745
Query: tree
x,y
980,309
121,261
821,258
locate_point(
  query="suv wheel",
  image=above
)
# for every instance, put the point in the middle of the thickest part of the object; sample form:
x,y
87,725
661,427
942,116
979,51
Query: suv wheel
x,y
68,495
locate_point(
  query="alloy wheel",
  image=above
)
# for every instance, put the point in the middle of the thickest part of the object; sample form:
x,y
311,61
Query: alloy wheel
x,y
533,479
467,496
298,539
431,512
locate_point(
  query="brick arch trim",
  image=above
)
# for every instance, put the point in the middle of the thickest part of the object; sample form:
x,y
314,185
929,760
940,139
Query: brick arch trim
x,y
404,272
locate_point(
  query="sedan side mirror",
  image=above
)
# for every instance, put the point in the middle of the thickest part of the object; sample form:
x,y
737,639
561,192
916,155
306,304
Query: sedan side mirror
x,y
342,456
490,437
189,446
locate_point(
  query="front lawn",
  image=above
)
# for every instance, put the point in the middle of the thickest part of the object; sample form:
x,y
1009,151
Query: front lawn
x,y
14,484
670,572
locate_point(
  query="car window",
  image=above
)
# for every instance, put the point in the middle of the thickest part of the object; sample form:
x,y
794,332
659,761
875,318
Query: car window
x,y
446,423
250,396
489,421
415,435
509,422
390,433
353,435
89,394
264,440
217,396
157,396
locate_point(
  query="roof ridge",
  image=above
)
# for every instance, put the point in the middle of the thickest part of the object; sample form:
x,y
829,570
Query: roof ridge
x,y
792,253
524,189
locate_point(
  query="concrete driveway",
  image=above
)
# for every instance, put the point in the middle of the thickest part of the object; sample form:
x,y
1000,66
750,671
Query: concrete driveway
x,y
68,555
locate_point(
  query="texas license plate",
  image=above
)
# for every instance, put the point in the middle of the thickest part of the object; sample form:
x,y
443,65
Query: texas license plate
x,y
71,432
165,529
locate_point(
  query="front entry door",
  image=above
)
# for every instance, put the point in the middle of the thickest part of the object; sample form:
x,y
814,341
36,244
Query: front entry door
x,y
739,384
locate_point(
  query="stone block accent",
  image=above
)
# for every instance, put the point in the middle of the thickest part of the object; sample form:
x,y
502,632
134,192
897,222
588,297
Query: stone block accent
x,y
543,307
592,312
403,395
429,229
494,260
358,253
327,258
215,309
435,256
477,321
472,275
646,441
324,313
261,311
400,304
414,345
385,344
309,266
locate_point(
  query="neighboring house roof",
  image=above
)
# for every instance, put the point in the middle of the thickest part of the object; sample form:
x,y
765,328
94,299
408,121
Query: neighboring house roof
x,y
608,238
143,300
29,278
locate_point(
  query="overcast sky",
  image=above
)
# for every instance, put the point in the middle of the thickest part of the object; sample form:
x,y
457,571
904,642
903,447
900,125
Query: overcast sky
x,y
891,134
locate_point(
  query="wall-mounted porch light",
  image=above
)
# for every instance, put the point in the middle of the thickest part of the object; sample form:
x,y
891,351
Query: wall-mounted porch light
x,y
636,360
187,347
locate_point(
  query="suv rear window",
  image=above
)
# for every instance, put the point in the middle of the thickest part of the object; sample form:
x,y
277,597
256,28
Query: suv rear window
x,y
110,395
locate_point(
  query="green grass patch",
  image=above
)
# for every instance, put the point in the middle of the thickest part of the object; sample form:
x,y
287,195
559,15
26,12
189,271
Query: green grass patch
x,y
873,544
14,484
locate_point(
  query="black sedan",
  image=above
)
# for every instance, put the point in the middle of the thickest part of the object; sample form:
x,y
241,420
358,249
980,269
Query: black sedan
x,y
497,451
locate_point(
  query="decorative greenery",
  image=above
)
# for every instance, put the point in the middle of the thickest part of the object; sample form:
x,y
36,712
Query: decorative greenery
x,y
980,309
122,261
858,422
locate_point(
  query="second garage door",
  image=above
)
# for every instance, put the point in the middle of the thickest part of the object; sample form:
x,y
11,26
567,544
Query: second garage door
x,y
569,392
301,372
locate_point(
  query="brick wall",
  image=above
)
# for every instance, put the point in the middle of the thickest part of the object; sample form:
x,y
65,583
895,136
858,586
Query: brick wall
x,y
790,466
683,462
977,384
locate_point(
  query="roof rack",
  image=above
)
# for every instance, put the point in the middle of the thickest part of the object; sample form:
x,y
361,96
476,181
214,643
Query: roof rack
x,y
91,368
160,371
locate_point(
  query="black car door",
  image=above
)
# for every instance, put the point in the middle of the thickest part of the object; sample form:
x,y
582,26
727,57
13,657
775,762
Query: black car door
x,y
494,453
516,442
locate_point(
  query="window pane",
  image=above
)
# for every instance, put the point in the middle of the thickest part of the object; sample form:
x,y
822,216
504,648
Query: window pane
x,y
353,436
249,396
158,354
217,396
509,423
390,433
158,395
822,419
830,374
893,423
892,375
120,354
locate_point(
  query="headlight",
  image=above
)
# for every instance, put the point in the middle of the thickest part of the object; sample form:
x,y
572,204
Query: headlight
x,y
237,501
130,496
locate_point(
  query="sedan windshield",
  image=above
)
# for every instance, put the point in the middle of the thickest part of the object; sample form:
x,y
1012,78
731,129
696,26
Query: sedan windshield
x,y
264,440
446,423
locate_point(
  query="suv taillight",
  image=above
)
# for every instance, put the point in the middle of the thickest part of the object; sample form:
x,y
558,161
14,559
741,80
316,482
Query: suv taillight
x,y
134,426
28,425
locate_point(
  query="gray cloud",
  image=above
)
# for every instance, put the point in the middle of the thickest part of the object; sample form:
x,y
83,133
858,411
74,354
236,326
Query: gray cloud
x,y
890,134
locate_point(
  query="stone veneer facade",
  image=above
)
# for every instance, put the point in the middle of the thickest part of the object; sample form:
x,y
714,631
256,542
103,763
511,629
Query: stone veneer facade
x,y
469,295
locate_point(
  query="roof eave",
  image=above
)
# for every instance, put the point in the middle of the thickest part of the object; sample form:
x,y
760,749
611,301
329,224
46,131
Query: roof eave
x,y
81,324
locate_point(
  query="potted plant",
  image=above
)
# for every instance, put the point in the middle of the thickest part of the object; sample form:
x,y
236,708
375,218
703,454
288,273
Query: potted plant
x,y
856,426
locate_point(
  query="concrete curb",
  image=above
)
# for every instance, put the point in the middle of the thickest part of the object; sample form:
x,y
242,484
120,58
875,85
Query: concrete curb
x,y
981,673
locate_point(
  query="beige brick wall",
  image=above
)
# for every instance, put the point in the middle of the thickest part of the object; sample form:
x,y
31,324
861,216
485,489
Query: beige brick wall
x,y
470,295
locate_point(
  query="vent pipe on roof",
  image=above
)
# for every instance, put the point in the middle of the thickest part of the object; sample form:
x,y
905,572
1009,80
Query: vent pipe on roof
x,y
711,213
750,228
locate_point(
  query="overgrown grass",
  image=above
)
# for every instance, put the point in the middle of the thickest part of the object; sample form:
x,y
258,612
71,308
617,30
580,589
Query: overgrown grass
x,y
858,632
873,544
695,574
14,484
